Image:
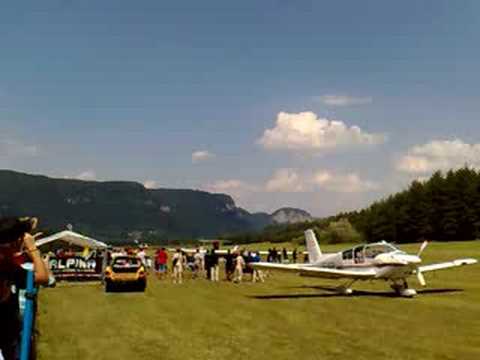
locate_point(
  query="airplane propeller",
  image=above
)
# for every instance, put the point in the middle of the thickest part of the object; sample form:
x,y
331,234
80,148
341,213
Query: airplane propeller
x,y
422,247
420,277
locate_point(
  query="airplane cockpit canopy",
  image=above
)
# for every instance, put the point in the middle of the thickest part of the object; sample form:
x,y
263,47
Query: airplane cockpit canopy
x,y
372,250
368,250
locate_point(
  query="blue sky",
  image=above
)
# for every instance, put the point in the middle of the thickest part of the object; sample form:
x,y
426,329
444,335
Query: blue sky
x,y
190,94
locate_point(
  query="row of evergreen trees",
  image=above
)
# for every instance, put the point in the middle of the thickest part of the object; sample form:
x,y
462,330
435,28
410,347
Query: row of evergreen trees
x,y
445,208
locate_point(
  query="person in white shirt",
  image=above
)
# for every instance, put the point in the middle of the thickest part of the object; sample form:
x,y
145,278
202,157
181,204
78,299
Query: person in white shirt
x,y
199,261
142,255
239,265
257,275
178,265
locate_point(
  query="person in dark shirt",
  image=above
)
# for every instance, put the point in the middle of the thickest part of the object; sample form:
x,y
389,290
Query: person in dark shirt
x,y
17,245
294,255
214,269
229,265
275,257
208,264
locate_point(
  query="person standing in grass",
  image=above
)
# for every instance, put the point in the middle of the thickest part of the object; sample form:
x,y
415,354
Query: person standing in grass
x,y
214,270
178,264
229,265
239,265
16,245
142,255
199,262
275,256
257,274
161,260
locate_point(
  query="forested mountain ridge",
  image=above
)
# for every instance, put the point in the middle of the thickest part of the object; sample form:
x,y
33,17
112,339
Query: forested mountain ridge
x,y
117,210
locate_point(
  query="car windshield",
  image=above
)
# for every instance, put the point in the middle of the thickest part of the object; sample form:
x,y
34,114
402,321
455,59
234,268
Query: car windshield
x,y
126,262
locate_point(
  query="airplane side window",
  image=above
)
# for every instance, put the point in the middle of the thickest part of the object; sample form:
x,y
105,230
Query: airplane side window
x,y
358,255
347,255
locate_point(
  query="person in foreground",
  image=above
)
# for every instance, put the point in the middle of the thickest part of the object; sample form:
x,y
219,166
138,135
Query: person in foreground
x,y
17,245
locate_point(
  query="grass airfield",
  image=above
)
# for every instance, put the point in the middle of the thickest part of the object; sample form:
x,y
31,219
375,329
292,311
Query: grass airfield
x,y
286,317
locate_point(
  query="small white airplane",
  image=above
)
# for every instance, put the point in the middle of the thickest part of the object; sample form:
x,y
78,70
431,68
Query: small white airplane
x,y
376,261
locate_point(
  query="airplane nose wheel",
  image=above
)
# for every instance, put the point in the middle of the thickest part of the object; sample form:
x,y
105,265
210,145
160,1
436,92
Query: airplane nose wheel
x,y
402,289
346,289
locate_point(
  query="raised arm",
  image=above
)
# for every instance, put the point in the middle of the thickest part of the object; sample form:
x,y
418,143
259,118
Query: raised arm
x,y
39,267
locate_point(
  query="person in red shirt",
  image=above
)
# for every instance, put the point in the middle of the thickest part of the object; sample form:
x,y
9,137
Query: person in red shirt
x,y
161,259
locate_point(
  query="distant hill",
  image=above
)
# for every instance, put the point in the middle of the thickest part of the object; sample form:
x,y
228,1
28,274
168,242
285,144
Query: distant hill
x,y
288,215
118,210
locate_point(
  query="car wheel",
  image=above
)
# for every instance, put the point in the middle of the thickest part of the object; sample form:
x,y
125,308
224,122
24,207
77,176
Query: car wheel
x,y
141,286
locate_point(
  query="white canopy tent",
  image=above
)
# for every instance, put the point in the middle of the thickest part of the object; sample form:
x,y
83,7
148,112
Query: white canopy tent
x,y
73,238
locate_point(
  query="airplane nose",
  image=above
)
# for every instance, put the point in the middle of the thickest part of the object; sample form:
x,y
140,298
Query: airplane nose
x,y
411,259
399,259
416,259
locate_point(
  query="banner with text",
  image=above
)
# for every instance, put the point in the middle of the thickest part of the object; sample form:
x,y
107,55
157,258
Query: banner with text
x,y
76,267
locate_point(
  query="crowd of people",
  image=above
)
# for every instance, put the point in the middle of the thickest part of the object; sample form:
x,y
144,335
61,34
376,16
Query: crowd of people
x,y
206,264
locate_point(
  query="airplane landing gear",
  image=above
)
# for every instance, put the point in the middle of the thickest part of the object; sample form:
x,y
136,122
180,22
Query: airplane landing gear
x,y
345,289
403,289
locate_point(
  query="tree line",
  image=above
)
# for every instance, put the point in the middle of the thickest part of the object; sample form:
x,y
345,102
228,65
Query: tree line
x,y
446,207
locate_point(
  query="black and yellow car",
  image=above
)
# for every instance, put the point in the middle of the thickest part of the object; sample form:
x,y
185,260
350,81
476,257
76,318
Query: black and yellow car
x,y
125,272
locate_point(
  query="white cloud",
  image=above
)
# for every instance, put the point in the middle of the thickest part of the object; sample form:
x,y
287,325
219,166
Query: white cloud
x,y
231,185
344,100
201,155
285,180
11,147
288,180
439,155
238,189
87,175
150,184
305,131
343,183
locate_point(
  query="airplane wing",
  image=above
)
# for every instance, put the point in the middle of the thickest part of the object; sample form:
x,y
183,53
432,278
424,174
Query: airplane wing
x,y
446,265
315,271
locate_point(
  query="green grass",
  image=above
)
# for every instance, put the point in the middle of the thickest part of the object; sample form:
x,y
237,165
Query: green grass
x,y
201,320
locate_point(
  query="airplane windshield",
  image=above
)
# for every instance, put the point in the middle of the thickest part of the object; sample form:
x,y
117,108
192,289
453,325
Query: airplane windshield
x,y
376,249
362,252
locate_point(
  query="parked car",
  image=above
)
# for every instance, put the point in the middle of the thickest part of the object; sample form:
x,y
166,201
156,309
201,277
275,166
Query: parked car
x,y
125,272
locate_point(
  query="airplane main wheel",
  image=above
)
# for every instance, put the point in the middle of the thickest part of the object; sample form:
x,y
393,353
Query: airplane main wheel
x,y
403,290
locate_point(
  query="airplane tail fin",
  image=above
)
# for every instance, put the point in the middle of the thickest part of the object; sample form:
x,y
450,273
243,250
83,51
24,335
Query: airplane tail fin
x,y
313,249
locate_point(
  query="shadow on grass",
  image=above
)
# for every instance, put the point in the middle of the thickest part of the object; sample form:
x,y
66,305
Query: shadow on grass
x,y
125,289
331,292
